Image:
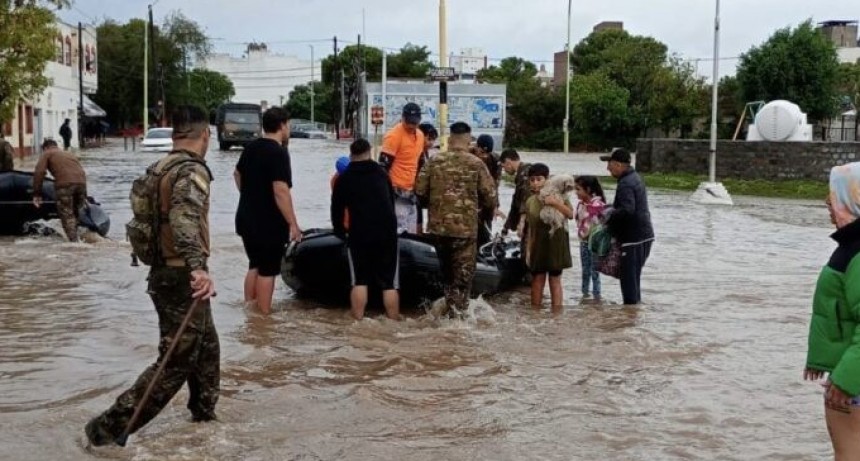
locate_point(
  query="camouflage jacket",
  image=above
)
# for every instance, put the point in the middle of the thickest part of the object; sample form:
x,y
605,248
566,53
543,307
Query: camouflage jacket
x,y
455,186
7,156
522,192
185,203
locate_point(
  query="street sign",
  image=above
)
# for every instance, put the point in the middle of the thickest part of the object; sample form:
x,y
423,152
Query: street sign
x,y
442,74
377,115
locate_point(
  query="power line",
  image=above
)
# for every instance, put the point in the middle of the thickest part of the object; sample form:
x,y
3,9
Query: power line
x,y
291,69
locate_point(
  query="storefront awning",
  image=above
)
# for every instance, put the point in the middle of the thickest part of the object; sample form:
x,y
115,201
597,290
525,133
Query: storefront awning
x,y
92,109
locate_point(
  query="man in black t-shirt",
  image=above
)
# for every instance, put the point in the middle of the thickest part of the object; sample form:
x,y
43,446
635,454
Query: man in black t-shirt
x,y
266,219
364,189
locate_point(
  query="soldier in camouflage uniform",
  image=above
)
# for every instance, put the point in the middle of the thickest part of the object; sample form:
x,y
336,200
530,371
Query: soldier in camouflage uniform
x,y
179,277
70,185
511,163
456,186
7,155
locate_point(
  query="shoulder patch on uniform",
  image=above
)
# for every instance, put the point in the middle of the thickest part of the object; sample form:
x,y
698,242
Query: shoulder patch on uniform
x,y
201,183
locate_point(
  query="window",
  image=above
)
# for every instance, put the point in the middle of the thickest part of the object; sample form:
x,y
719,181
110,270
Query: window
x,y
91,63
68,51
87,58
59,49
7,129
28,118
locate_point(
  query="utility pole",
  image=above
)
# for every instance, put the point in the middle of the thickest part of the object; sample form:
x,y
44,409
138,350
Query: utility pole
x,y
337,64
443,85
146,74
159,71
312,84
361,107
152,43
80,85
342,97
566,127
712,192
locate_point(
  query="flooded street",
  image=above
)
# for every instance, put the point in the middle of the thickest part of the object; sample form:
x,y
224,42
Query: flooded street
x,y
708,368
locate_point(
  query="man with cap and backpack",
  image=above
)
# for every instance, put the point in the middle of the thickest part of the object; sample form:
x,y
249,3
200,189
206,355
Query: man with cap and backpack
x,y
170,233
400,154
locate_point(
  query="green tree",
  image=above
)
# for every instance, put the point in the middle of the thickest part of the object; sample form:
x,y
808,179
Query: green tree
x,y
799,65
412,61
209,89
120,90
299,103
535,114
599,107
121,53
351,60
512,71
633,62
679,98
27,36
848,84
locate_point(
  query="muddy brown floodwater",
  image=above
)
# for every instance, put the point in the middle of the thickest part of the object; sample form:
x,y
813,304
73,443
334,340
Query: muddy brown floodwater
x,y
708,368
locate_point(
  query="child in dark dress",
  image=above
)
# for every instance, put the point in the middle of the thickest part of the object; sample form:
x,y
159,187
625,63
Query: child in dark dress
x,y
546,254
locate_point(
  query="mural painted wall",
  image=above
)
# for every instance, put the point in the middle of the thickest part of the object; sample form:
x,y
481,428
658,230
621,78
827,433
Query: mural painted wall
x,y
481,106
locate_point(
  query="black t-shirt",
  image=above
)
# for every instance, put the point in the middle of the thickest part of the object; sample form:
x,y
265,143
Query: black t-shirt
x,y
262,164
365,191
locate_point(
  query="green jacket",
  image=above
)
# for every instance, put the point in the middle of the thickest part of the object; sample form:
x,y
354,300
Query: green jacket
x,y
834,339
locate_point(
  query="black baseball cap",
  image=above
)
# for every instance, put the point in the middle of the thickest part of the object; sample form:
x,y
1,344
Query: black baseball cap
x,y
485,142
619,154
412,113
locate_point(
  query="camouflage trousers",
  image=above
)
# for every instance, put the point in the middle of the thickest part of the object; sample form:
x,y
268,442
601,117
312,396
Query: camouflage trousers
x,y
70,199
457,258
195,360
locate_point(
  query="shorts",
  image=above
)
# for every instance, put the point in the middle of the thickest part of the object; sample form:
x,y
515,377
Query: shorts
x,y
264,257
407,215
855,402
550,273
377,265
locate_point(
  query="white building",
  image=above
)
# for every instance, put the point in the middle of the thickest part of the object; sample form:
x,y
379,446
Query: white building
x,y
41,117
849,55
262,77
467,64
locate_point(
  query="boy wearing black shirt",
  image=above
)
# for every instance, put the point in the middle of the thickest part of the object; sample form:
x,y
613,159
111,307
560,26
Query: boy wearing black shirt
x,y
266,218
364,189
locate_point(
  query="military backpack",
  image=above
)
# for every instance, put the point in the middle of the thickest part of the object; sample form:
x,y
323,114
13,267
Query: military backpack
x,y
143,231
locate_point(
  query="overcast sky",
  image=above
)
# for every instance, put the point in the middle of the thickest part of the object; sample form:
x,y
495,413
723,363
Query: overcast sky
x,y
532,29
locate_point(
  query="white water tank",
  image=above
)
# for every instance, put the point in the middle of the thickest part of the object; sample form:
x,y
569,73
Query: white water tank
x,y
780,121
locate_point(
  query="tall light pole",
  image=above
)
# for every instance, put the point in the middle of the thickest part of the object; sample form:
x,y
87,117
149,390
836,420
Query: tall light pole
x,y
146,74
312,84
146,66
712,192
566,128
443,86
712,161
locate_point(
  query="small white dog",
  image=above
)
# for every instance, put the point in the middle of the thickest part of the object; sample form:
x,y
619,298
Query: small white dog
x,y
556,186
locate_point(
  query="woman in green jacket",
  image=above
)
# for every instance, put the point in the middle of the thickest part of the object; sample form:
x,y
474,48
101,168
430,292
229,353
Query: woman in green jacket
x,y
834,339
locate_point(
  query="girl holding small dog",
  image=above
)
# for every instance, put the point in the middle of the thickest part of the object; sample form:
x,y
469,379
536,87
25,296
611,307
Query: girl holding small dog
x,y
547,250
589,212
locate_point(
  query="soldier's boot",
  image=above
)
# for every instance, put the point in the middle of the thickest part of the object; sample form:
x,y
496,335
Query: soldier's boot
x,y
97,434
203,417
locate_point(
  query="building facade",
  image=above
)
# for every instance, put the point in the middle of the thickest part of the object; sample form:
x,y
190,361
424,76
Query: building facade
x,y
41,117
844,35
263,77
467,64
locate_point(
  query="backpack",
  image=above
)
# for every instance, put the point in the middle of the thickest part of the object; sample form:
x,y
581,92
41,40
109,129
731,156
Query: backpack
x,y
144,229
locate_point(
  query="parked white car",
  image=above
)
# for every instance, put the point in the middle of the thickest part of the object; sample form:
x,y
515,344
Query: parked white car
x,y
158,140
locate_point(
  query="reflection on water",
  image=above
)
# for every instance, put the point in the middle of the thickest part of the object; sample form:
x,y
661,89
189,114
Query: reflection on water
x,y
708,368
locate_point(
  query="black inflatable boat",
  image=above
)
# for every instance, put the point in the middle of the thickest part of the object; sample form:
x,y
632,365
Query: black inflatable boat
x,y
317,268
16,205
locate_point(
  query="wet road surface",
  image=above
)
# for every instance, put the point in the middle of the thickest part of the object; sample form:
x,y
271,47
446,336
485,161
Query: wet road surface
x,y
708,368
